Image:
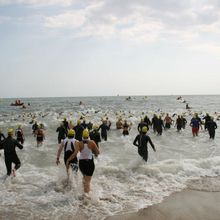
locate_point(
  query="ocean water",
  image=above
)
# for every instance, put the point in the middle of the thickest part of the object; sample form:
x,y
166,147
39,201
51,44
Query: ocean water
x,y
122,181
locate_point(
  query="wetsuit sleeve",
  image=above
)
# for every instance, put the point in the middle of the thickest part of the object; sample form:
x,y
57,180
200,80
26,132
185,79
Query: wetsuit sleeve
x,y
18,144
151,143
136,141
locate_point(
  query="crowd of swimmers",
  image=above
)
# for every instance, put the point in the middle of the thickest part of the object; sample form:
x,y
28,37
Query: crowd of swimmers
x,y
84,138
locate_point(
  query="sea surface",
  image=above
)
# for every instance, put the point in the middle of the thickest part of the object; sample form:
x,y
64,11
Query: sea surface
x,y
122,181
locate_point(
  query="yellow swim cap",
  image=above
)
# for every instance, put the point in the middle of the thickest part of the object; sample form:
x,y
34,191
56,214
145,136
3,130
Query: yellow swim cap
x,y
10,131
85,133
78,122
144,129
71,133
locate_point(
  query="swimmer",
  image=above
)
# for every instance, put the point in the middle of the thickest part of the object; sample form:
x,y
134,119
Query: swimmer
x,y
141,141
9,144
86,148
69,144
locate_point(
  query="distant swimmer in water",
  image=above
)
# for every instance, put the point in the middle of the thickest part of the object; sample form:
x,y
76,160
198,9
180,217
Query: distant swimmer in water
x,y
141,141
187,106
9,144
86,148
69,145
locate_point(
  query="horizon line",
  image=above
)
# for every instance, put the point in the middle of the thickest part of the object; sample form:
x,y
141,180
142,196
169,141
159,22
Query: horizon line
x,y
30,97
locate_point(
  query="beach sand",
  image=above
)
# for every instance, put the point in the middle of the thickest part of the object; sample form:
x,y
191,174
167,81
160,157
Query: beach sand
x,y
189,204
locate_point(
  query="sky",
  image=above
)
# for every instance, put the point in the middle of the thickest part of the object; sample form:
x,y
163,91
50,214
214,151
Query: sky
x,y
56,48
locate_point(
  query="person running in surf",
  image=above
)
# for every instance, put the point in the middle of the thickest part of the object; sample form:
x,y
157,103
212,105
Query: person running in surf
x,y
95,135
61,133
9,144
141,141
19,134
126,128
211,126
86,148
104,128
40,136
79,130
168,121
69,144
195,124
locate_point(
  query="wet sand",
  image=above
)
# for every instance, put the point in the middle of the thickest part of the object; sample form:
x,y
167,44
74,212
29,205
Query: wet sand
x,y
189,204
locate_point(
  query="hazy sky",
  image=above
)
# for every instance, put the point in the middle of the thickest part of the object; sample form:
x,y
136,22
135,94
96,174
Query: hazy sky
x,y
109,47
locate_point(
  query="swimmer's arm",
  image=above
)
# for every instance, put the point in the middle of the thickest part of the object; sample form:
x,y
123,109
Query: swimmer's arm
x,y
152,145
18,144
94,147
135,141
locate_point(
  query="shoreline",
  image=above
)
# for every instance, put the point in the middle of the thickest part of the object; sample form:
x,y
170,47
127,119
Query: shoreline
x,y
192,203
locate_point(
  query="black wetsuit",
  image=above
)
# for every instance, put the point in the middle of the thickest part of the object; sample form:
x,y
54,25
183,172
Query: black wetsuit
x,y
34,127
79,130
211,126
147,120
19,135
207,119
141,141
154,123
84,125
184,121
9,145
95,136
104,128
89,126
179,124
61,133
141,125
159,126
65,124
